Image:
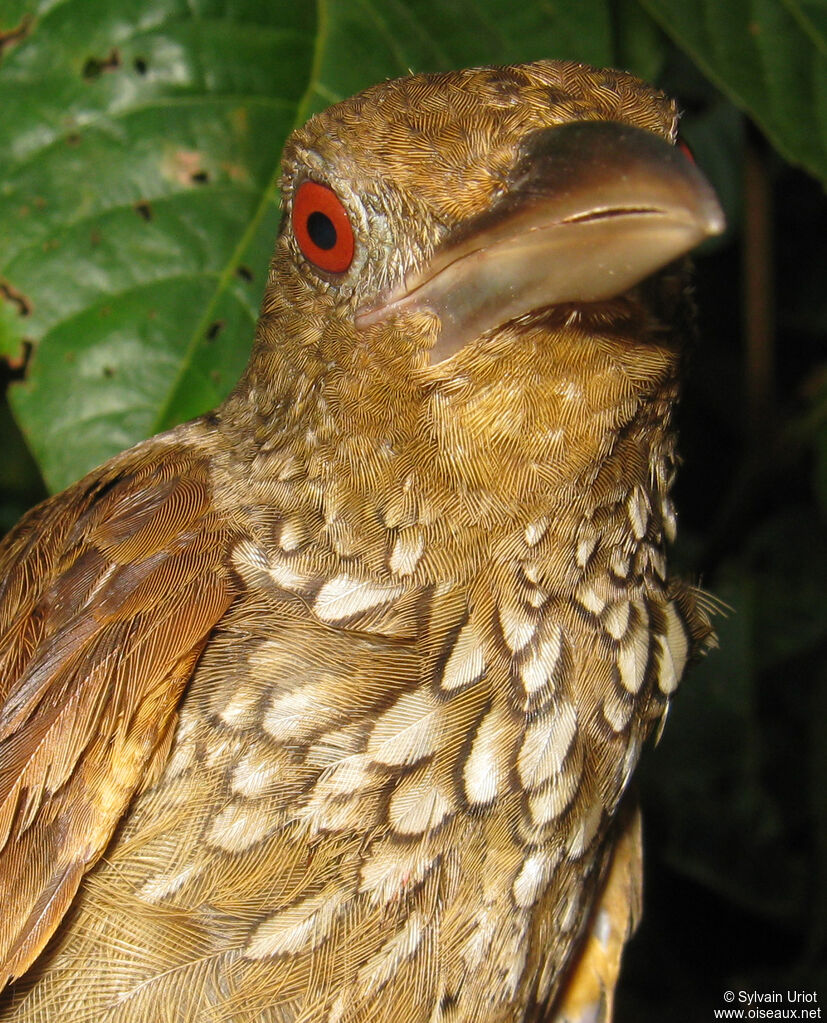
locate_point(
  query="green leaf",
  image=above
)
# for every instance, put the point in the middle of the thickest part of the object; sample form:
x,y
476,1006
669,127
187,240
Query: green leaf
x,y
769,57
640,42
11,330
139,185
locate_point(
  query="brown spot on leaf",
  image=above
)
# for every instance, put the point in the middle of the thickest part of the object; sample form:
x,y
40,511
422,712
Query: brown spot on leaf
x,y
244,272
73,139
215,329
96,66
109,372
200,177
181,165
15,366
140,65
11,37
16,297
143,209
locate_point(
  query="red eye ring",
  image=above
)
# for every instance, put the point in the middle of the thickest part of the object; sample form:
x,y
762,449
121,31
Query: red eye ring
x,y
687,152
322,227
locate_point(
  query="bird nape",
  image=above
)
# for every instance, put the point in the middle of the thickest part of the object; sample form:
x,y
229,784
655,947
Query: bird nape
x,y
323,706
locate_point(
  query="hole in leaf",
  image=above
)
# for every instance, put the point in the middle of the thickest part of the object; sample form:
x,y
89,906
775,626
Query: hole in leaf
x,y
140,65
244,272
143,209
200,177
215,329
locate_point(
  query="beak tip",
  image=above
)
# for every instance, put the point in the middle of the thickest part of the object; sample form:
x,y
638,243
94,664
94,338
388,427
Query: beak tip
x,y
716,221
710,215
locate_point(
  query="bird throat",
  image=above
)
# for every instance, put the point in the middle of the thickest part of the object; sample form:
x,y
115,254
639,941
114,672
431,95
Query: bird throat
x,y
526,423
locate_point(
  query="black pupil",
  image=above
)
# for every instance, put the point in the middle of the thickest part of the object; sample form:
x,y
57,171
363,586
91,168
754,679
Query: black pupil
x,y
321,230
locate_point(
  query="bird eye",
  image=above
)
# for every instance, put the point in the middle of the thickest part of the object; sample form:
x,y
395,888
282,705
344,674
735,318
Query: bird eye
x,y
322,227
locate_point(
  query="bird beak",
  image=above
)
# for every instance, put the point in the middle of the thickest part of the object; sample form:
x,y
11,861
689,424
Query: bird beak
x,y
591,208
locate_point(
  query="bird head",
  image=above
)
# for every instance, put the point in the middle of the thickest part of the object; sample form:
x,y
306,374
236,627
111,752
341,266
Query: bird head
x,y
460,279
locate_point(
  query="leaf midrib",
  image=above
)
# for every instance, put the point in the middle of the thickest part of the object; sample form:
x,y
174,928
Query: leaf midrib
x,y
267,197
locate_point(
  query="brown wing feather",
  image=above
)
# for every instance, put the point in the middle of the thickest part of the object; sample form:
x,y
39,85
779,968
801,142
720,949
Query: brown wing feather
x,y
107,595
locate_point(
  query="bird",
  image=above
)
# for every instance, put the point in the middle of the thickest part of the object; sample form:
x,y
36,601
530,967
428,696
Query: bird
x,y
324,706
